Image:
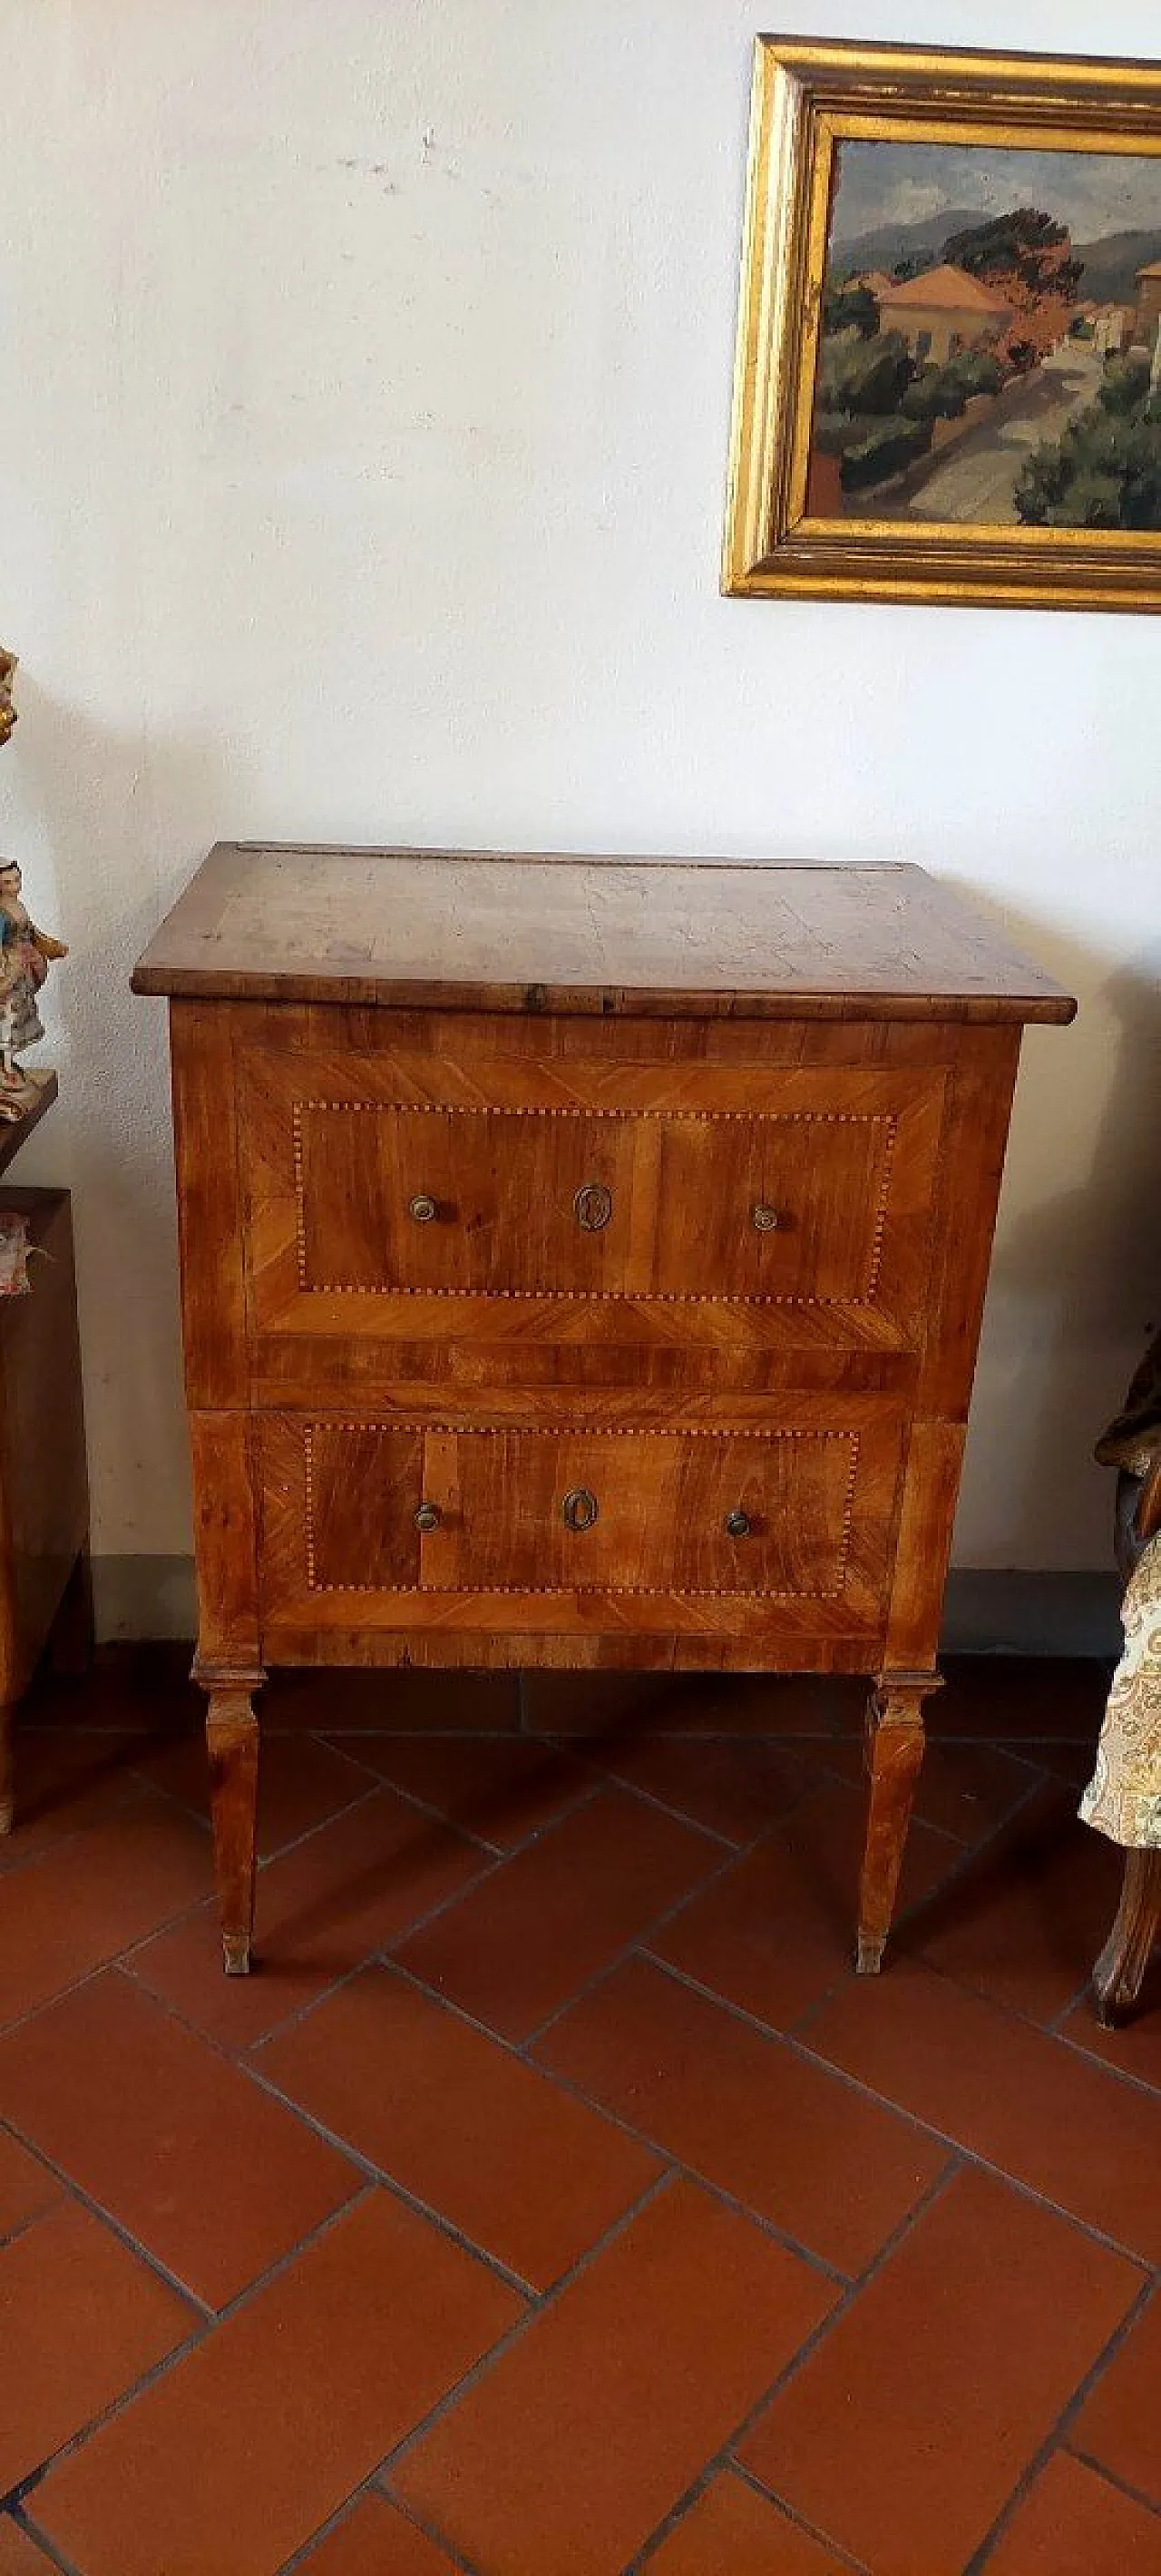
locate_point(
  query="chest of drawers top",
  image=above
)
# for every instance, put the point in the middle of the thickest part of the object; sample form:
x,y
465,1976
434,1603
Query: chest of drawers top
x,y
491,931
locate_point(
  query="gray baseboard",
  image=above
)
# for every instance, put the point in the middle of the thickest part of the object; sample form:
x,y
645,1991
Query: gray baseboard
x,y
1001,1613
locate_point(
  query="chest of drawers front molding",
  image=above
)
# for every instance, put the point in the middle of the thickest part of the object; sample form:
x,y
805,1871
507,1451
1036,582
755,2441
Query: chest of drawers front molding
x,y
550,1306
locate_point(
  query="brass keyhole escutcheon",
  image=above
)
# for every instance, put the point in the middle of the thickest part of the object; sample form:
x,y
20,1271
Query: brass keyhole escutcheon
x,y
429,1517
738,1524
764,1219
423,1208
579,1509
593,1206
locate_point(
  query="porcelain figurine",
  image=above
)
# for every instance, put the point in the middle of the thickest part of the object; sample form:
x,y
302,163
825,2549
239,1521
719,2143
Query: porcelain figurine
x,y
25,954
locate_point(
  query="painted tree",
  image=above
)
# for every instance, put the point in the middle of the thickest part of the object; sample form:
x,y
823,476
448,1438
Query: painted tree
x,y
1028,258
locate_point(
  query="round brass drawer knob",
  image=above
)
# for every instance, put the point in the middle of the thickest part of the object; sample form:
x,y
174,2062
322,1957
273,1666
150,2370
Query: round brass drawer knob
x,y
593,1206
764,1219
738,1524
422,1208
579,1509
428,1517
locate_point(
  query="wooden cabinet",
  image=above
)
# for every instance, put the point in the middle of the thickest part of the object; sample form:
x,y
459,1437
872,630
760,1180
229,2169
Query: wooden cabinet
x,y
582,1265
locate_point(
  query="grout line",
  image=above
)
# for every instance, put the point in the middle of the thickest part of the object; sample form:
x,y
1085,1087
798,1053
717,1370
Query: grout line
x,y
521,2326
1094,2057
645,1932
22,2521
183,2351
944,2137
1055,2437
812,2530
725,2456
94,2208
381,2177
586,1792
1088,2459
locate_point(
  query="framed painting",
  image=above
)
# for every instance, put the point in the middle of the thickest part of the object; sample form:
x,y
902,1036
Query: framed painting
x,y
948,377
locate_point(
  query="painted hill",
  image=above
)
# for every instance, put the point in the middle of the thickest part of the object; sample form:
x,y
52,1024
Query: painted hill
x,y
1110,265
885,244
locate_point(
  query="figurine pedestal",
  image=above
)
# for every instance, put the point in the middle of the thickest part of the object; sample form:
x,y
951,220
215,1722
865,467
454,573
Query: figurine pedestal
x,y
44,1498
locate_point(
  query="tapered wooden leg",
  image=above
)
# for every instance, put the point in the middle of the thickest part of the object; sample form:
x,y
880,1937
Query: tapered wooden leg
x,y
232,1741
1117,1976
71,1644
894,1754
7,1798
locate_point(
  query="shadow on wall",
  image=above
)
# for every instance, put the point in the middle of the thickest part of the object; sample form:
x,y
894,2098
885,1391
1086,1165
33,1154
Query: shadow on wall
x,y
109,805
1076,1280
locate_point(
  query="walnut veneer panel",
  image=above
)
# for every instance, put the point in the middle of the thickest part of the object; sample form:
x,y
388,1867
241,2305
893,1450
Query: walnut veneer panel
x,y
404,1185
783,1526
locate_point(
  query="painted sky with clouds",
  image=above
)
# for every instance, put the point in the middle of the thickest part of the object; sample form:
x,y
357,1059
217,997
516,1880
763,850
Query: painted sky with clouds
x,y
904,183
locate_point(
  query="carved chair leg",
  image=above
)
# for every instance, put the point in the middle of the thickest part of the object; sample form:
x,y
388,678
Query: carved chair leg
x,y
7,1796
232,1742
894,1754
1117,1976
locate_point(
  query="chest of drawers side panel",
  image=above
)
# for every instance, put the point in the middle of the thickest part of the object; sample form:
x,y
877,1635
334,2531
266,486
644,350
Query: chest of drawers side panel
x,y
215,1334
978,1116
210,1212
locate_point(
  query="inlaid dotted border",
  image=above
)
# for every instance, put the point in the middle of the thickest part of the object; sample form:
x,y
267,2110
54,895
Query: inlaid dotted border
x,y
600,1296
573,1431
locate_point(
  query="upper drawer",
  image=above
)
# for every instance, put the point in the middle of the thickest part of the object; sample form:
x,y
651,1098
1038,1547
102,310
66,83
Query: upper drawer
x,y
376,1179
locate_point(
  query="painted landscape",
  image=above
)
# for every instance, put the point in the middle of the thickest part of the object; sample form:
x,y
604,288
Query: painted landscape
x,y
991,344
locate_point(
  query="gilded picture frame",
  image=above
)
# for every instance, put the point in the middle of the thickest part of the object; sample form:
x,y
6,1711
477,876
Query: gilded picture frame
x,y
866,119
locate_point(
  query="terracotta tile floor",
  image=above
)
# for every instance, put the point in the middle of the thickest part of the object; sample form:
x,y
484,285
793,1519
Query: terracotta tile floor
x,y
553,2202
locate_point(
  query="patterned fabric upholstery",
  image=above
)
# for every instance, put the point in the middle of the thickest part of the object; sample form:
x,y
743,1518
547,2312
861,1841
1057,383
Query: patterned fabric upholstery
x,y
1123,1798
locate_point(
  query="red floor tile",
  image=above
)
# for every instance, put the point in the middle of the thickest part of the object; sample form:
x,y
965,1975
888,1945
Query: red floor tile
x,y
1075,2524
778,1927
300,1782
375,2540
339,1703
731,2531
501,1788
522,1942
1135,2050
26,2189
904,2433
518,2167
214,2178
1007,1697
81,2318
18,2554
599,1705
1050,2117
1120,2424
964,1789
735,1785
66,1777
814,2157
91,1897
322,1909
1025,1920
582,2437
264,2430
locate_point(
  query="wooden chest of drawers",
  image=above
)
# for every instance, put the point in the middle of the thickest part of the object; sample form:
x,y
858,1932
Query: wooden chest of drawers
x,y
582,1265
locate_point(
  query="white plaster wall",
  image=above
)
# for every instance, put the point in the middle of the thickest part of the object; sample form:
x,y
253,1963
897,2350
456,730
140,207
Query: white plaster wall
x,y
364,382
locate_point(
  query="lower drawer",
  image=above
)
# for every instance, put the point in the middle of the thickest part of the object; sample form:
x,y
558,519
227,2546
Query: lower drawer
x,y
400,1524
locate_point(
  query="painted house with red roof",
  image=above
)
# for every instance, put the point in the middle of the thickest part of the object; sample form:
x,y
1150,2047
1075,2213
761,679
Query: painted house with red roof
x,y
943,312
